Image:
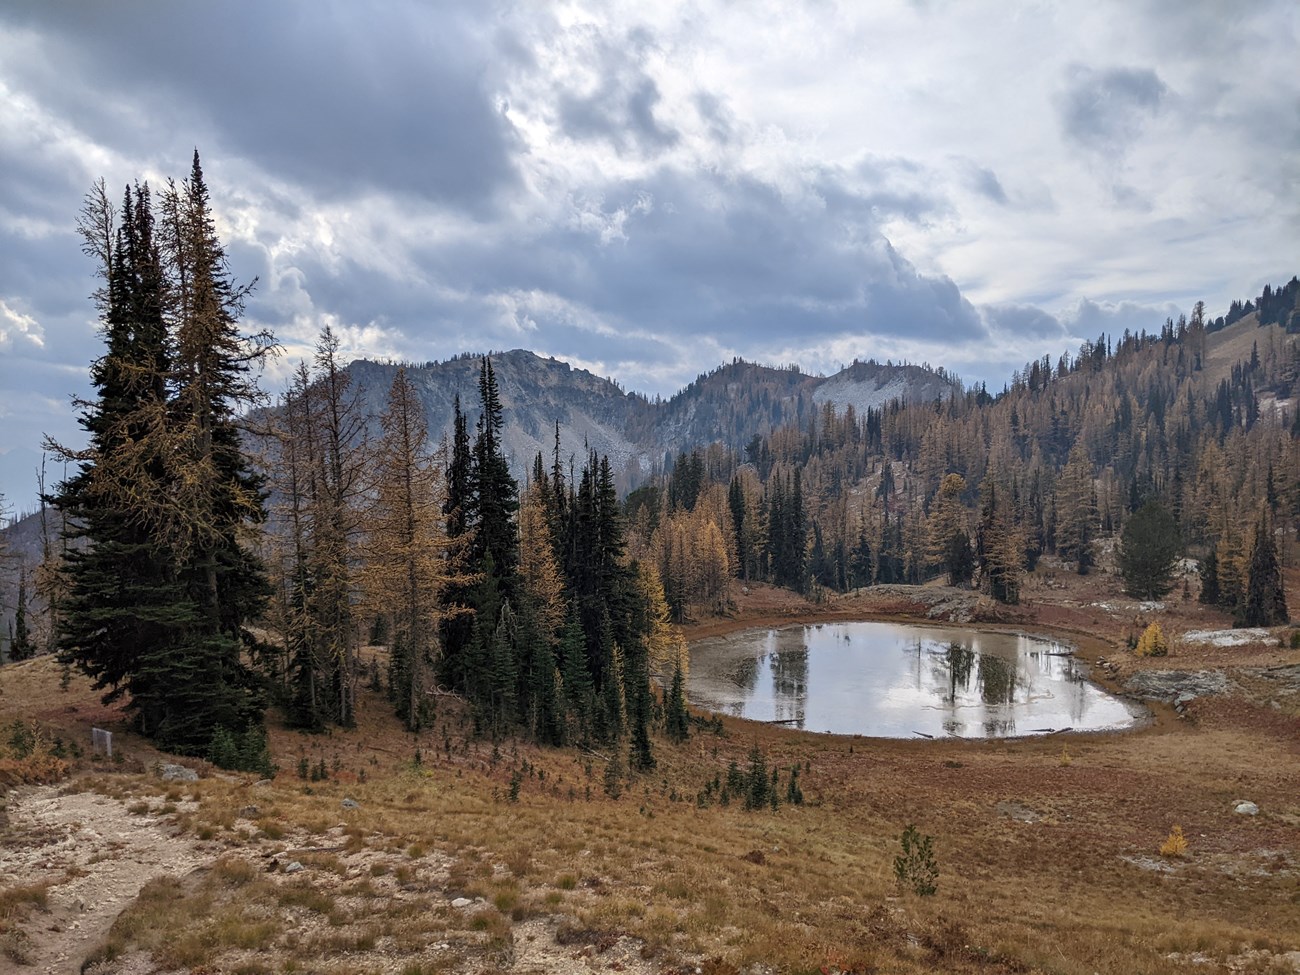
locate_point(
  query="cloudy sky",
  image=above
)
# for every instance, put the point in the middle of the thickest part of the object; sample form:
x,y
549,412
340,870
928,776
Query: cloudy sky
x,y
649,189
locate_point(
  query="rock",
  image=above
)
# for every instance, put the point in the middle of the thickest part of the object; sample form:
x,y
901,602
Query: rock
x,y
1017,811
351,804
1246,808
177,773
263,784
248,812
1170,685
461,902
1184,698
293,866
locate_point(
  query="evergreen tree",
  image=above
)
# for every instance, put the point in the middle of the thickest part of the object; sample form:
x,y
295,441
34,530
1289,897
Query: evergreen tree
x,y
218,491
124,602
1265,600
676,717
458,508
1210,592
1149,548
860,564
575,679
494,491
162,590
21,646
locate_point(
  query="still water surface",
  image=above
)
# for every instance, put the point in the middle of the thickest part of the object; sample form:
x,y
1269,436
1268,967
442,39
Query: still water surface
x,y
891,680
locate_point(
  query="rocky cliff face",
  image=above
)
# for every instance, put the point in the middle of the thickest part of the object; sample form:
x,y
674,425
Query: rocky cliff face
x,y
730,405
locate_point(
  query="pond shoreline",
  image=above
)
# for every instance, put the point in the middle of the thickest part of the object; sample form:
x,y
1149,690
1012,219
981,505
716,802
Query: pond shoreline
x,y
1079,649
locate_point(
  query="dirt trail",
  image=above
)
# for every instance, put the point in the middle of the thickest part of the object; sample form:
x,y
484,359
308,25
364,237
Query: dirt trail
x,y
95,855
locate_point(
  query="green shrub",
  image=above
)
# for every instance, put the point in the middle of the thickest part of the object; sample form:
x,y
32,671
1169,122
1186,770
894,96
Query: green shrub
x,y
246,751
915,866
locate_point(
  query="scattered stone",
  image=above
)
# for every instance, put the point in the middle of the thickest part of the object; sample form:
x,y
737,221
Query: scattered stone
x,y
351,804
293,866
461,903
1246,808
1149,863
1014,810
177,773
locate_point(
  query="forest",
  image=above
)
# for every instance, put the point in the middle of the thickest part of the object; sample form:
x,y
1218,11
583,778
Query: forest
x,y
218,558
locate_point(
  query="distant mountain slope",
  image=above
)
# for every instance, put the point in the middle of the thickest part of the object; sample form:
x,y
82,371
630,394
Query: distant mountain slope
x,y
870,385
731,405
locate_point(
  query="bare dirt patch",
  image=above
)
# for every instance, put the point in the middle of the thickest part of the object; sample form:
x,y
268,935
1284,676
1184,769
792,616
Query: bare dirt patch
x,y
94,855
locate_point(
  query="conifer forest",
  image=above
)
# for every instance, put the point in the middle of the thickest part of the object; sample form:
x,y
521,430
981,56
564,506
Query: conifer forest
x,y
222,554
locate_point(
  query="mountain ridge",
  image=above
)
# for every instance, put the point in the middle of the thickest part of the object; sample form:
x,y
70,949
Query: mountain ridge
x,y
730,404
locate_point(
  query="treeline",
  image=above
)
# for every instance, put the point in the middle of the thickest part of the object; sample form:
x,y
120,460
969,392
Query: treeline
x,y
979,487
182,594
524,604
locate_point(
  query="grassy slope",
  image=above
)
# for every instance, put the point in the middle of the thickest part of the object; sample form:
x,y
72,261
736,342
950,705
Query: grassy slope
x,y
1045,846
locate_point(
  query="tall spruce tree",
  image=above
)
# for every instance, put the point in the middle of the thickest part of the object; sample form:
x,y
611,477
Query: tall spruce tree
x,y
164,587
458,509
123,599
1265,599
21,646
495,492
1148,549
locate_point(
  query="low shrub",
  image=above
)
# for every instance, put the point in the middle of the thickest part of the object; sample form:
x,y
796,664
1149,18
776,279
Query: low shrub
x,y
915,868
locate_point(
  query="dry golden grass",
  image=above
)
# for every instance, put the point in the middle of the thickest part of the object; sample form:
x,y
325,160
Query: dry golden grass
x,y
1064,886
1052,894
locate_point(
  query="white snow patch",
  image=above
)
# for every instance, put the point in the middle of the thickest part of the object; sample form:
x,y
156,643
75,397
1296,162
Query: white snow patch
x,y
1229,638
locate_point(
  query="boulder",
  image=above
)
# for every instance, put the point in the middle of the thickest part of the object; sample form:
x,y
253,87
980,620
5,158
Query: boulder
x,y
177,773
1246,808
350,804
1172,685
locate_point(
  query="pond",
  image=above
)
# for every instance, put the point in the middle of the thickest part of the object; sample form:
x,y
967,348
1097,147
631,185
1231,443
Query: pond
x,y
894,681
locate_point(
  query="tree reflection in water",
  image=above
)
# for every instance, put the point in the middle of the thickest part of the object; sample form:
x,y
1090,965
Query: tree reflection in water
x,y
960,661
900,680
997,679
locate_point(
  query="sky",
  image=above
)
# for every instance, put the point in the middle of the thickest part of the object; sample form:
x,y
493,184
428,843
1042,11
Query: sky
x,y
647,189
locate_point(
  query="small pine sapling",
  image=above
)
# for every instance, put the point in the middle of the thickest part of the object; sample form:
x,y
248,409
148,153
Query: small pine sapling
x,y
915,867
1152,642
1175,845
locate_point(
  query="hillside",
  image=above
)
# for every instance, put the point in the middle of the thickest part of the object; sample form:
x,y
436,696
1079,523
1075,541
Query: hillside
x,y
446,852
729,405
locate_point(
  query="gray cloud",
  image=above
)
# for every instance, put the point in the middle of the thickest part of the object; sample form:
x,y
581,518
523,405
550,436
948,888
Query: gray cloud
x,y
1105,110
1028,321
1090,318
333,95
621,108
717,117
986,183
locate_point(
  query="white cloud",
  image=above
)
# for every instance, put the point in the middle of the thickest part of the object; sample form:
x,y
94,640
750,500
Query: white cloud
x,y
16,327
